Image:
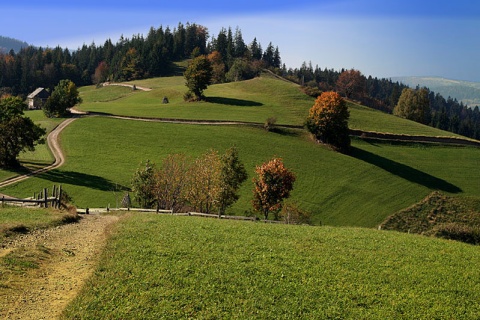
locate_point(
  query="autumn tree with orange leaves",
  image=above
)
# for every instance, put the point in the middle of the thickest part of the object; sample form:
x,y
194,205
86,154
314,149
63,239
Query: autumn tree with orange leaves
x,y
351,83
272,185
328,121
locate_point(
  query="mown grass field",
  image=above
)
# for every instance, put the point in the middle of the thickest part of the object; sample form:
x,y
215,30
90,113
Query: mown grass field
x,y
157,267
358,190
376,180
252,101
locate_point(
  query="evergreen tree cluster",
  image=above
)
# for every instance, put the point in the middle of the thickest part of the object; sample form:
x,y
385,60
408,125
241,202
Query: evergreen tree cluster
x,y
383,94
128,59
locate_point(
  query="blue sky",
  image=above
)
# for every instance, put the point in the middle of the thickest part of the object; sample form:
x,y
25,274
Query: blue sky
x,y
378,37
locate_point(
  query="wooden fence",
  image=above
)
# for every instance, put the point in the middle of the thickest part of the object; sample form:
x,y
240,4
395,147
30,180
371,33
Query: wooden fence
x,y
41,199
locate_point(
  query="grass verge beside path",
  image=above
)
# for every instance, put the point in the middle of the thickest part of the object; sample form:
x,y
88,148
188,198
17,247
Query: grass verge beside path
x,y
14,220
182,268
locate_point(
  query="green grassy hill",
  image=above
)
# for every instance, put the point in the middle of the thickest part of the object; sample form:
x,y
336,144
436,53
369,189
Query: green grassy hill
x,y
361,189
184,267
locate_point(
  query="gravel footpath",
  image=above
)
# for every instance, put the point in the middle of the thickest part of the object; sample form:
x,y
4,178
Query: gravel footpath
x,y
73,252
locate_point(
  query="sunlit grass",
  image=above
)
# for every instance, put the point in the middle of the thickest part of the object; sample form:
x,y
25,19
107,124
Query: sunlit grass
x,y
191,268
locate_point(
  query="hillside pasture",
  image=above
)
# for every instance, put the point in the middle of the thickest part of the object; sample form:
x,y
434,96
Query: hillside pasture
x,y
252,101
192,268
358,190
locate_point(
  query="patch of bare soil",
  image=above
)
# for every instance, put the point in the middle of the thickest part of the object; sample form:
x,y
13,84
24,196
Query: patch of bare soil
x,y
69,254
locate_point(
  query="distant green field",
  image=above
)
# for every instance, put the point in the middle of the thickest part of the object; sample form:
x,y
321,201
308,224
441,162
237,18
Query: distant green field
x,y
253,100
367,119
358,190
164,267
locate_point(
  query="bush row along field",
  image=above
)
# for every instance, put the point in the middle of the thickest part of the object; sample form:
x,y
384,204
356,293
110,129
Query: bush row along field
x,y
182,267
358,190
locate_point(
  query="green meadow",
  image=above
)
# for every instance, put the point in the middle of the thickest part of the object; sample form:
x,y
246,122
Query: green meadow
x,y
361,189
177,267
166,267
375,181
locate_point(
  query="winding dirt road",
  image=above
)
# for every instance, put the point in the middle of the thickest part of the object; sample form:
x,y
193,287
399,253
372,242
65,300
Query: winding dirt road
x,y
54,145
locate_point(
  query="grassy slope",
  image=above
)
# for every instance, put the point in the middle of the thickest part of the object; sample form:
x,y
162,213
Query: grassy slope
x,y
331,185
179,267
253,100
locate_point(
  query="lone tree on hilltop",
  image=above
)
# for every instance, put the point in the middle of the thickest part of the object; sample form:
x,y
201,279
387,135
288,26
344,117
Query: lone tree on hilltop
x,y
414,105
273,183
198,77
17,132
328,121
64,96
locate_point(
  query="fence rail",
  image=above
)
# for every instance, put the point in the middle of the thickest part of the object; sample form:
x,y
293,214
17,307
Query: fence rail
x,y
41,199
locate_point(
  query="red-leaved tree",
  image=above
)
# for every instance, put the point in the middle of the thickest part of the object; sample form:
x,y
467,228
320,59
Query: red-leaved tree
x,y
273,183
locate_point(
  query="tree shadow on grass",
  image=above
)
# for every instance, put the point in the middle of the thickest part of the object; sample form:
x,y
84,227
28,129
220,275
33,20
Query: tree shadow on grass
x,y
82,179
234,102
287,132
404,171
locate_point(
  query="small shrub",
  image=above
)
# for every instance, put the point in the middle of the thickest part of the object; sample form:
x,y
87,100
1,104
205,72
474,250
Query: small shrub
x,y
189,96
269,123
292,214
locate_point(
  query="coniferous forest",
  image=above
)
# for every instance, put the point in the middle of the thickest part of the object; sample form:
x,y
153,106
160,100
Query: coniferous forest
x,y
231,57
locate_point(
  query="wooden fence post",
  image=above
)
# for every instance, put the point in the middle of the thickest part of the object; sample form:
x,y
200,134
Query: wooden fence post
x,y
59,201
45,195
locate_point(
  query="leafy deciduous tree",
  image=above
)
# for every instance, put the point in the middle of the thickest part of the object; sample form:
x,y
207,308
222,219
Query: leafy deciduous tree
x,y
203,185
198,76
328,121
170,182
273,183
143,185
64,96
218,67
17,133
351,83
414,105
232,175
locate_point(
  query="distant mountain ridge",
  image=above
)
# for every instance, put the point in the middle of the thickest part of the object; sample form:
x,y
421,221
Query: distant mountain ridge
x,y
7,44
464,91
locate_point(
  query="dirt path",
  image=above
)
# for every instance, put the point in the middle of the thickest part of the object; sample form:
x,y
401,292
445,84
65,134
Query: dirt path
x,y
72,253
54,145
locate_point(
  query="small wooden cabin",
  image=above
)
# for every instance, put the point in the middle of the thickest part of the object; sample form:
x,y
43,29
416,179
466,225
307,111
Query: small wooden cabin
x,y
37,98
